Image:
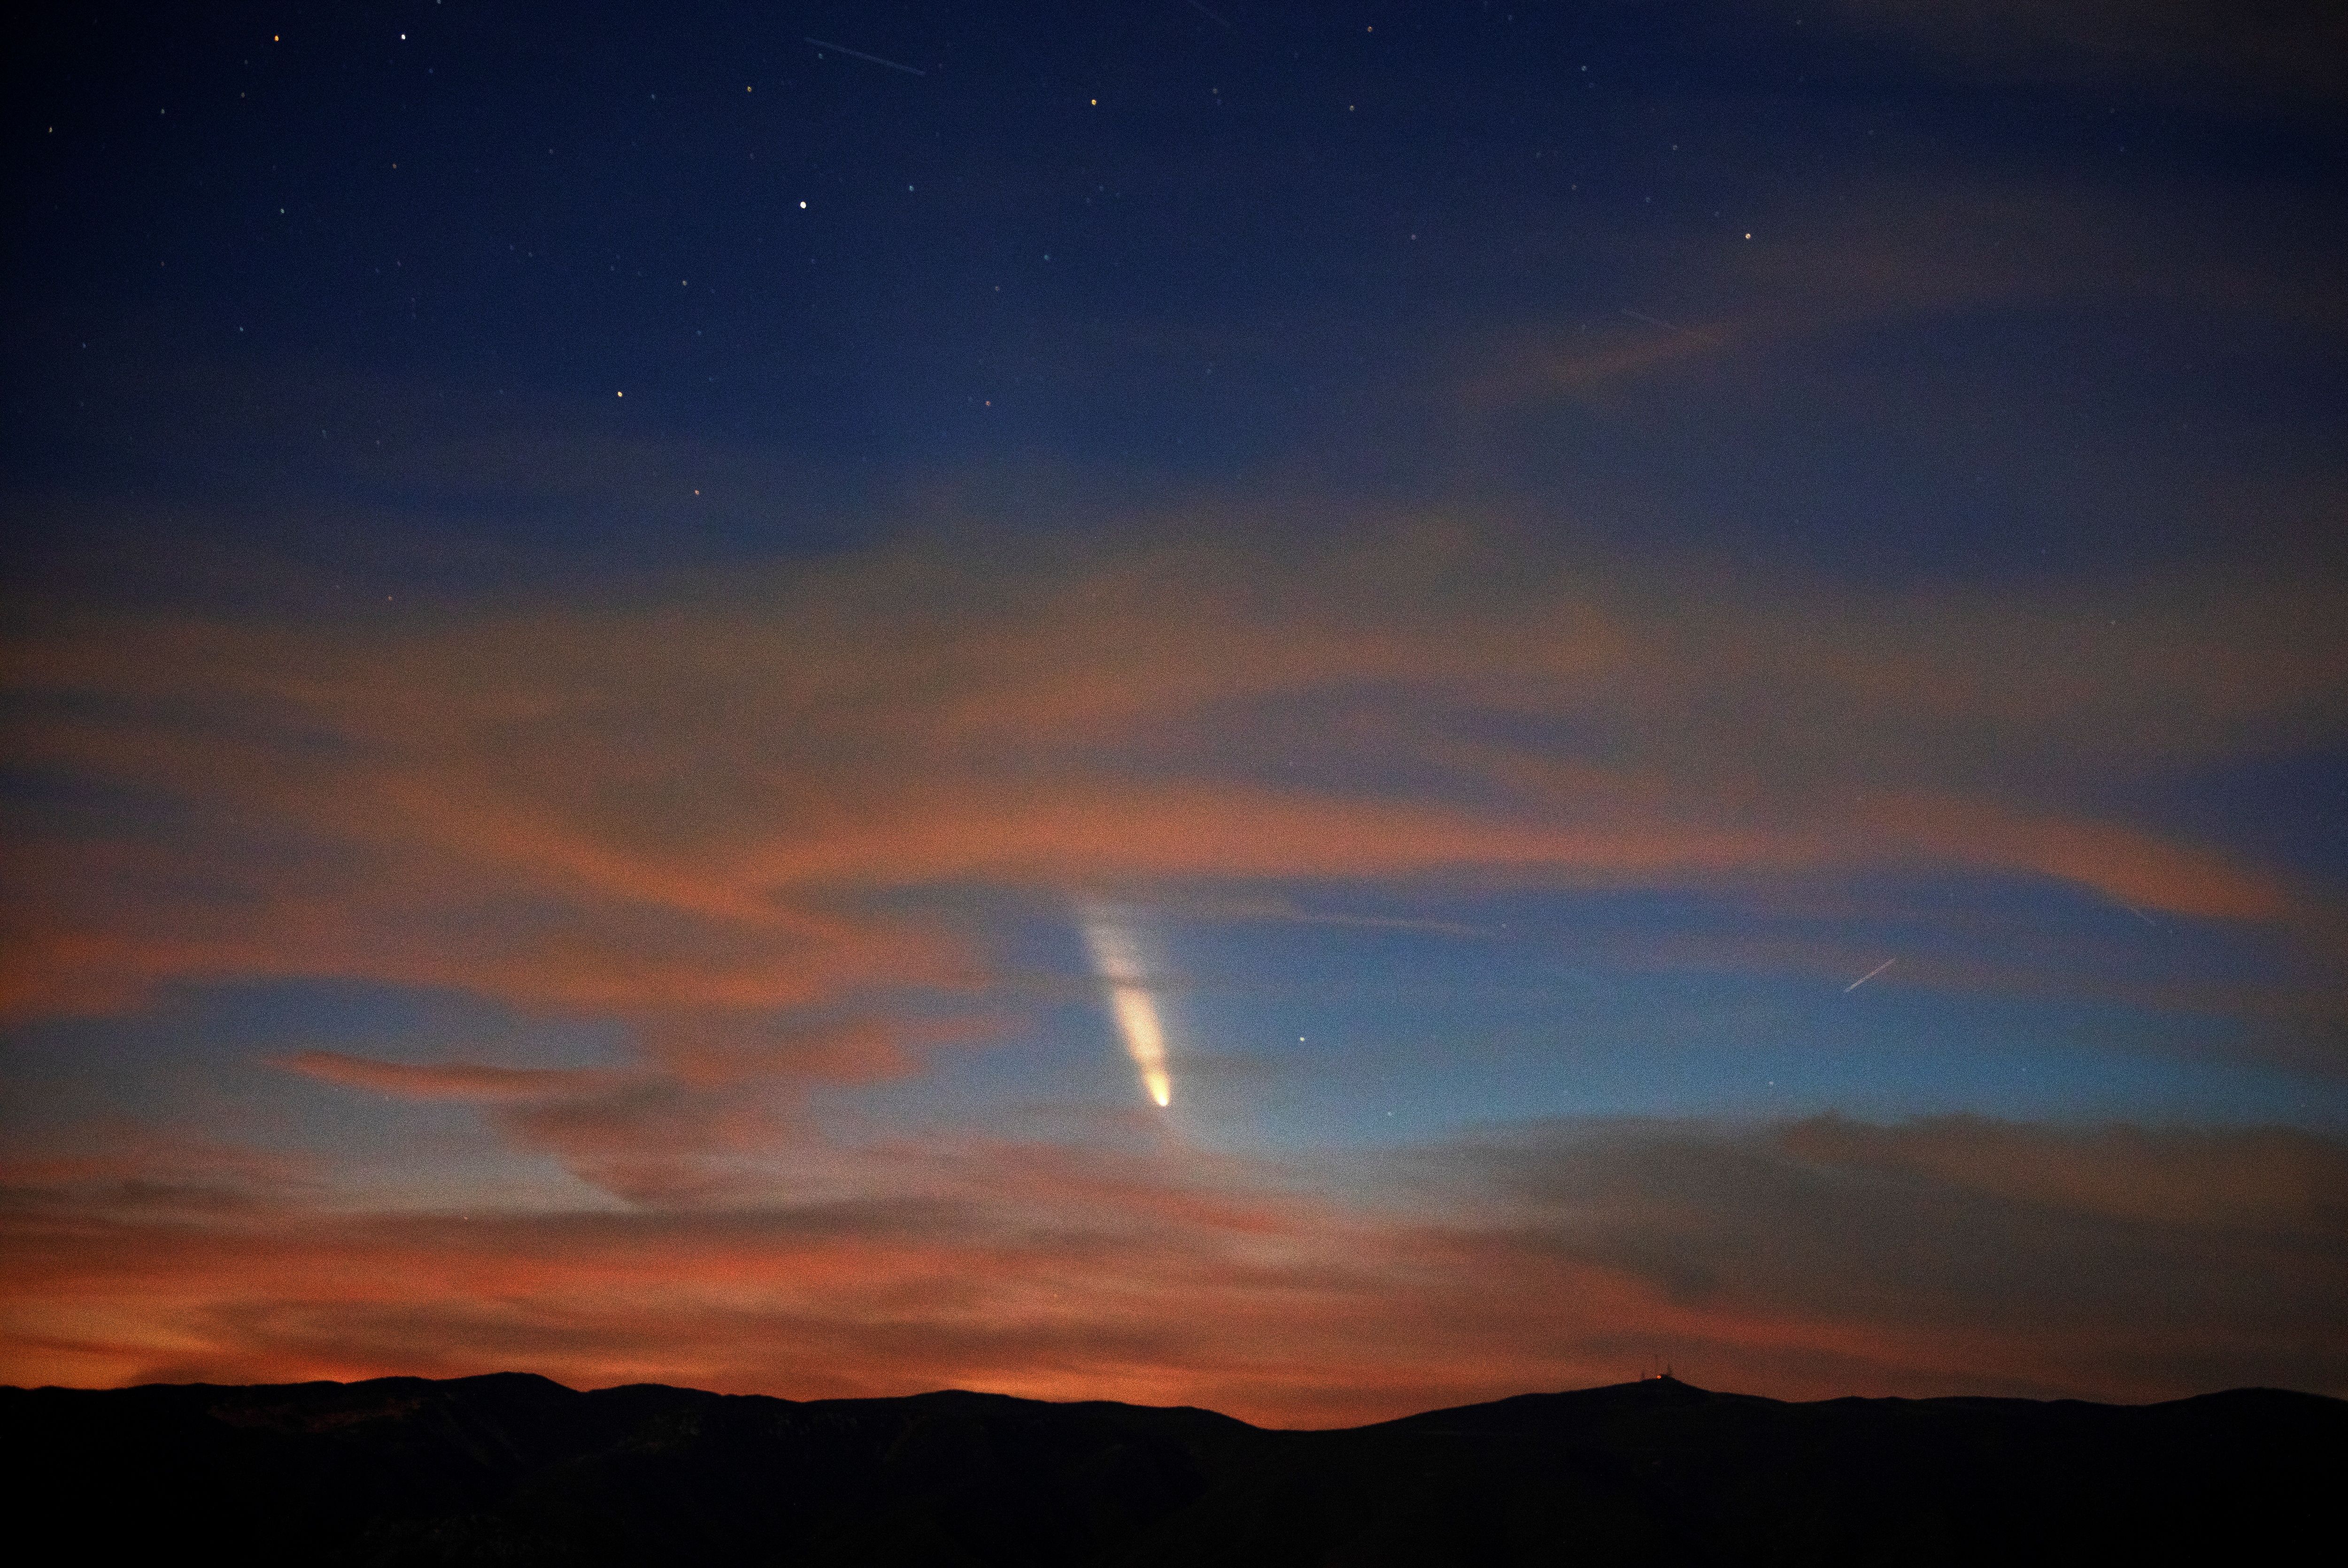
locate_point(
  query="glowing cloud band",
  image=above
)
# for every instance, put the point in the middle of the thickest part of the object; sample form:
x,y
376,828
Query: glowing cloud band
x,y
1119,964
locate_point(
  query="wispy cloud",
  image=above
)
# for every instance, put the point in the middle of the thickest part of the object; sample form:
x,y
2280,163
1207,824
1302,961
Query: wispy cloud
x,y
691,804
2264,59
450,1081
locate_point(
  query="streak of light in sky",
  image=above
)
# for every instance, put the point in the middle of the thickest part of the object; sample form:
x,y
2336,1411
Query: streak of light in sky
x,y
1116,960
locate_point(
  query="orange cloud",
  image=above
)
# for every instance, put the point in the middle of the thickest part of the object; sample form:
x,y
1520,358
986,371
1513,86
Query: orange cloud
x,y
696,803
2128,864
451,1081
1826,1258
1899,249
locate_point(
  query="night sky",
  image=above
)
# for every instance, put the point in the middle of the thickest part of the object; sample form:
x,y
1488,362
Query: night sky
x,y
1678,673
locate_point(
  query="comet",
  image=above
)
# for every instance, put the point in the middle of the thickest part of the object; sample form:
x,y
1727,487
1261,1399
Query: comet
x,y
1117,961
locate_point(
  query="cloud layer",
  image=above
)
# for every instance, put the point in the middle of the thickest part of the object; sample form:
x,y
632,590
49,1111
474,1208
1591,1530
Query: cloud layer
x,y
1818,1259
705,800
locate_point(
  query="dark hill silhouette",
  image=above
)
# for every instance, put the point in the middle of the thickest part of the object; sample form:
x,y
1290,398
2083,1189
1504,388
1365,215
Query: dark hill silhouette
x,y
515,1469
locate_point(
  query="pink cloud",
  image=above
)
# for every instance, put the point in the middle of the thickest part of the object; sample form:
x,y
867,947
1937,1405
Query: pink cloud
x,y
709,800
1826,1258
453,1081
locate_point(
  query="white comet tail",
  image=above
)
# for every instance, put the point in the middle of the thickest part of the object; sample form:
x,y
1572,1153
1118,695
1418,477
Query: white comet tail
x,y
1118,962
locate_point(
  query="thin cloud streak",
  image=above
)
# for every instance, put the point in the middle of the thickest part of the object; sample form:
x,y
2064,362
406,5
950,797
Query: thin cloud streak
x,y
451,1081
2265,60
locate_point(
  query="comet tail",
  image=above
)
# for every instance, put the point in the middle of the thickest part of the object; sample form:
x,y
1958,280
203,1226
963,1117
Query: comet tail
x,y
1119,964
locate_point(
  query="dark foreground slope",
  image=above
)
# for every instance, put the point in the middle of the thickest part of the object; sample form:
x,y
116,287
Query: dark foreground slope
x,y
517,1469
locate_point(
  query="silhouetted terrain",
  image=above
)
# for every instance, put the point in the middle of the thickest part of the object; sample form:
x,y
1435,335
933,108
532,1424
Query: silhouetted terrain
x,y
517,1469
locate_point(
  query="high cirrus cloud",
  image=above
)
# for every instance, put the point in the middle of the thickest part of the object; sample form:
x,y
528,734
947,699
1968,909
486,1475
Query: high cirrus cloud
x,y
453,1081
2264,58
690,800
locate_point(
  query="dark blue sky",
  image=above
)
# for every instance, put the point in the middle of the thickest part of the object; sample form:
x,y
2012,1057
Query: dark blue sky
x,y
1133,243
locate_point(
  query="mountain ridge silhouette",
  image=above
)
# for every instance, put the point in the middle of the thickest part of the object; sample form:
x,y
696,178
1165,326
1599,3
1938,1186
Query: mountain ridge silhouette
x,y
512,1468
